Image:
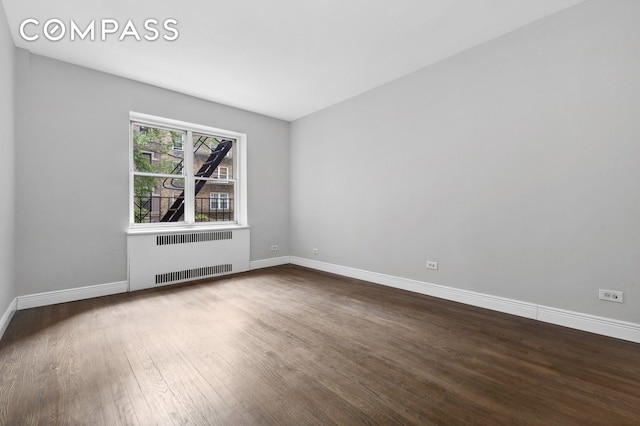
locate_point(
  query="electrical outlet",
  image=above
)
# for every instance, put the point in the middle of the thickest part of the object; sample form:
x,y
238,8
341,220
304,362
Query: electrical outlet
x,y
274,247
611,295
432,265
315,251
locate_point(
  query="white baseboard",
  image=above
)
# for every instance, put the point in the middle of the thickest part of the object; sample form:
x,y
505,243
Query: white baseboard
x,y
70,295
577,320
580,321
267,263
591,323
6,317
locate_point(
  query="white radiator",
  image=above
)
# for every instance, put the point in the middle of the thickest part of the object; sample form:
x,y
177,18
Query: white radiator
x,y
167,258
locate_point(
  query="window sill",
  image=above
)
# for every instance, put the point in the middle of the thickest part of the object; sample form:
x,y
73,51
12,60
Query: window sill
x,y
175,229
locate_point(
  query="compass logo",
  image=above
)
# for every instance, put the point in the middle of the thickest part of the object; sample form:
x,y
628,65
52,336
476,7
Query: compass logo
x,y
55,29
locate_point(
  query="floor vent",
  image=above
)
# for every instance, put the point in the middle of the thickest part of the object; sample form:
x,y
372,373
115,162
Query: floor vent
x,y
196,237
189,274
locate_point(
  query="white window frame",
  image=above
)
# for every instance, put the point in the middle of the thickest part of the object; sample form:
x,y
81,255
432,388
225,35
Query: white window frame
x,y
222,176
239,166
173,146
220,200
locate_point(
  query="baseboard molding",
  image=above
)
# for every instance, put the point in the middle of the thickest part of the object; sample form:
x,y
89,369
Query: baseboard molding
x,y
580,321
591,323
70,295
268,263
6,317
576,320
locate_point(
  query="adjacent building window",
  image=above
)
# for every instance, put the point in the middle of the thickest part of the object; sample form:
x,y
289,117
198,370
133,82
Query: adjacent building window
x,y
219,201
146,157
222,172
177,141
183,173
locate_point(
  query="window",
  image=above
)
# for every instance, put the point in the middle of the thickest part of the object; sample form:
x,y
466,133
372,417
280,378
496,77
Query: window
x,y
146,156
219,201
222,172
177,140
183,174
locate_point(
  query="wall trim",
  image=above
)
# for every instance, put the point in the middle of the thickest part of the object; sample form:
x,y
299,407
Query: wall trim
x,y
594,324
576,320
6,317
267,263
70,295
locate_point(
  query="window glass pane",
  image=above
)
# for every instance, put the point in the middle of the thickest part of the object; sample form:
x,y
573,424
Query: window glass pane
x,y
214,201
205,152
157,150
157,199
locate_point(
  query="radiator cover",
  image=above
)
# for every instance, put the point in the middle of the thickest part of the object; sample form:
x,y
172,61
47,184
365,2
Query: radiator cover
x,y
164,258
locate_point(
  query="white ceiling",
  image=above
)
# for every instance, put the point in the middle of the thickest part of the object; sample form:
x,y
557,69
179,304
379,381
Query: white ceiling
x,y
282,58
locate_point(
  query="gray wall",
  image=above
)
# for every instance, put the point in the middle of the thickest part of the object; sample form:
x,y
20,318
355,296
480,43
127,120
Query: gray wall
x,y
7,175
72,171
515,165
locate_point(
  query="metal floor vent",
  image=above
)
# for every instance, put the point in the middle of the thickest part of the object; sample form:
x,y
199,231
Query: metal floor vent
x,y
196,237
204,271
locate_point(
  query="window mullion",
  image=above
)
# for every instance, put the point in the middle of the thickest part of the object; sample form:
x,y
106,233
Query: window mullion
x,y
189,185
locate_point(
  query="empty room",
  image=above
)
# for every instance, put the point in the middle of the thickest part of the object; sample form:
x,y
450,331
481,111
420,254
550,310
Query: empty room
x,y
320,212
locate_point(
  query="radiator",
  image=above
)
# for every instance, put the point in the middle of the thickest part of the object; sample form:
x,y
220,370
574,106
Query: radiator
x,y
169,258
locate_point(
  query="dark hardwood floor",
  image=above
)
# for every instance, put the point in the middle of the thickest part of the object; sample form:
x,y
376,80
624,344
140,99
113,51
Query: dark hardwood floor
x,y
290,346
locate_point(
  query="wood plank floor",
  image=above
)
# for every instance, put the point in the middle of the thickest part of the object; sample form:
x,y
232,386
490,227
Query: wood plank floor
x,y
290,346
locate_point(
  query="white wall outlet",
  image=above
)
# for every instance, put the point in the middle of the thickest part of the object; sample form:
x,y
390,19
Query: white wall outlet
x,y
432,265
611,295
315,251
274,247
